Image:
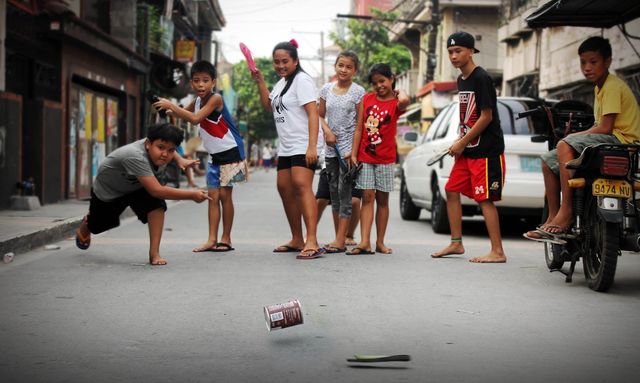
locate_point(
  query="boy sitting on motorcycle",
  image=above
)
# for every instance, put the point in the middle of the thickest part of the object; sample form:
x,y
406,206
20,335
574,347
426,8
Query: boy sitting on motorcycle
x,y
617,120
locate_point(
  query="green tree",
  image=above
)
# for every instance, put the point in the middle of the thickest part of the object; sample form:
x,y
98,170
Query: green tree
x,y
370,40
260,122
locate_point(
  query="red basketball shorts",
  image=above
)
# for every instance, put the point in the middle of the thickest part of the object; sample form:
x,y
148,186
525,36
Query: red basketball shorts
x,y
481,179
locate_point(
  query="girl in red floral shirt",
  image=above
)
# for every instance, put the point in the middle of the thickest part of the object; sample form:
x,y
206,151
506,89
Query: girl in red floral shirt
x,y
374,146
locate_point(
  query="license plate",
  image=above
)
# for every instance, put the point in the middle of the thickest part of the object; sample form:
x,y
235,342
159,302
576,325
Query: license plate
x,y
611,188
530,164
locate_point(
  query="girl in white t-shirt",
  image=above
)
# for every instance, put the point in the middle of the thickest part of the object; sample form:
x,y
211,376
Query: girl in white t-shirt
x,y
293,102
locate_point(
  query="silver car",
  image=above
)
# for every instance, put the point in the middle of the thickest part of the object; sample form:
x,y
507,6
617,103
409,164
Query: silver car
x,y
422,186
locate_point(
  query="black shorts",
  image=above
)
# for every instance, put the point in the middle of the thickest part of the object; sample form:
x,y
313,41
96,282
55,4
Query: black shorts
x,y
106,215
323,188
287,162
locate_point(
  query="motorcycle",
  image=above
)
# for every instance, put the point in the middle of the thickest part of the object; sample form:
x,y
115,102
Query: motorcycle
x,y
606,214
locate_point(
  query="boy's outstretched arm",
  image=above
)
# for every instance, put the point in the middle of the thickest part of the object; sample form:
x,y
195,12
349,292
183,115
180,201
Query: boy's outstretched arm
x,y
214,102
184,163
151,184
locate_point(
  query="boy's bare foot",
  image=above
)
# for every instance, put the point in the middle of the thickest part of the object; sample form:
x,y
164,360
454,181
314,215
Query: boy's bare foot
x,y
157,261
208,246
383,249
454,248
490,258
350,242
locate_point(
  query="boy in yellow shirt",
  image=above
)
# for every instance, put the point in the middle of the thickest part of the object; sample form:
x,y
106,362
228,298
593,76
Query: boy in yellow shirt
x,y
617,120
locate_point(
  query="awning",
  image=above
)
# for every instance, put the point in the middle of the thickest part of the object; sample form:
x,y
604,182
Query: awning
x,y
584,13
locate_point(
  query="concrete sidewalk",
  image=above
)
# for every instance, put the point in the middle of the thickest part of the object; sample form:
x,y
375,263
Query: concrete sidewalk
x,y
24,230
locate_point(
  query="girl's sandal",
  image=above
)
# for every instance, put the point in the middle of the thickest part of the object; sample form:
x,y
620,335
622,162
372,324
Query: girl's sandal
x,y
311,253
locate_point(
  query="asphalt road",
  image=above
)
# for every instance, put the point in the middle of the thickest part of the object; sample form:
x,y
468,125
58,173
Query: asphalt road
x,y
103,315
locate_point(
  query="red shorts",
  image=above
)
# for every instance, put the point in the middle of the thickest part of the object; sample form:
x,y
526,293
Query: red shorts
x,y
478,178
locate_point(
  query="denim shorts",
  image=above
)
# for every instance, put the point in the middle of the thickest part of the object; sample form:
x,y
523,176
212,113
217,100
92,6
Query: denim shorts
x,y
578,143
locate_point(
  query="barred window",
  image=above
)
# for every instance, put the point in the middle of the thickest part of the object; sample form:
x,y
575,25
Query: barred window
x,y
632,78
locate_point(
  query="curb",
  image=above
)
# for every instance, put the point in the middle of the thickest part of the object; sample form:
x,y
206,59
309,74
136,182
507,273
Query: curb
x,y
62,230
28,242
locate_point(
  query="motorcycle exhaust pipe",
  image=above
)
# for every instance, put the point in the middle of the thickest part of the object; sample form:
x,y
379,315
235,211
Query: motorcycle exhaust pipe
x,y
631,242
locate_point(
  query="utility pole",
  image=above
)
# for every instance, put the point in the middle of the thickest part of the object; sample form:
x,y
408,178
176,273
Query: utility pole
x,y
432,28
321,33
430,25
3,36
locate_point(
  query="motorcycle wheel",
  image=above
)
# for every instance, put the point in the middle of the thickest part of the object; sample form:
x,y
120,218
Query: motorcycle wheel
x,y
600,249
552,252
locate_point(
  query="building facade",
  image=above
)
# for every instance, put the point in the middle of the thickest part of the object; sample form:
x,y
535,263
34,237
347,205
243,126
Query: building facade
x,y
432,78
544,62
77,73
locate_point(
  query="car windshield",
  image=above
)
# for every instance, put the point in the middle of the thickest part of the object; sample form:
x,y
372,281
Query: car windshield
x,y
507,110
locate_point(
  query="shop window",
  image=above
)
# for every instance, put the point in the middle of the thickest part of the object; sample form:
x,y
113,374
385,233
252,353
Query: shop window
x,y
580,92
97,12
523,86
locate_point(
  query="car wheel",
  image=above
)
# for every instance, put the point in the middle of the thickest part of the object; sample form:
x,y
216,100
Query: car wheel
x,y
408,210
439,217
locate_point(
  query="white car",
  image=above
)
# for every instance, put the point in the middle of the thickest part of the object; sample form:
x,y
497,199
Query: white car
x,y
422,186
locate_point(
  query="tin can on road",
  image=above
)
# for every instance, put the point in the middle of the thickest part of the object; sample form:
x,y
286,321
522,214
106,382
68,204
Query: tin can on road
x,y
283,315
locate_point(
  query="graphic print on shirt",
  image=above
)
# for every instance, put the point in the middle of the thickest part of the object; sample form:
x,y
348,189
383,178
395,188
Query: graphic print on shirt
x,y
278,107
468,116
375,119
215,125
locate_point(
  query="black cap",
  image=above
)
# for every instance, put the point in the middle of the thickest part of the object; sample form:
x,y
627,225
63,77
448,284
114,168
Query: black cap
x,y
462,39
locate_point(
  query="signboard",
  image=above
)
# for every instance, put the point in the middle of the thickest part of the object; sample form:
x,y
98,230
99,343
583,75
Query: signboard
x,y
185,50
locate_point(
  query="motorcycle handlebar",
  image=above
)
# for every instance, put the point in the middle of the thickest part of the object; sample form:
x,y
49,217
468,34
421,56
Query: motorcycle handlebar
x,y
529,112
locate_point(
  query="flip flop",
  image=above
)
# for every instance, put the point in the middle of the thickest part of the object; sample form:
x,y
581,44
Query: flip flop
x,y
83,242
388,251
334,250
562,232
359,251
221,247
544,237
311,253
204,249
286,249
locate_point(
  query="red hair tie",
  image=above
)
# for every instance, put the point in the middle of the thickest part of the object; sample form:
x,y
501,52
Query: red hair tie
x,y
294,42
